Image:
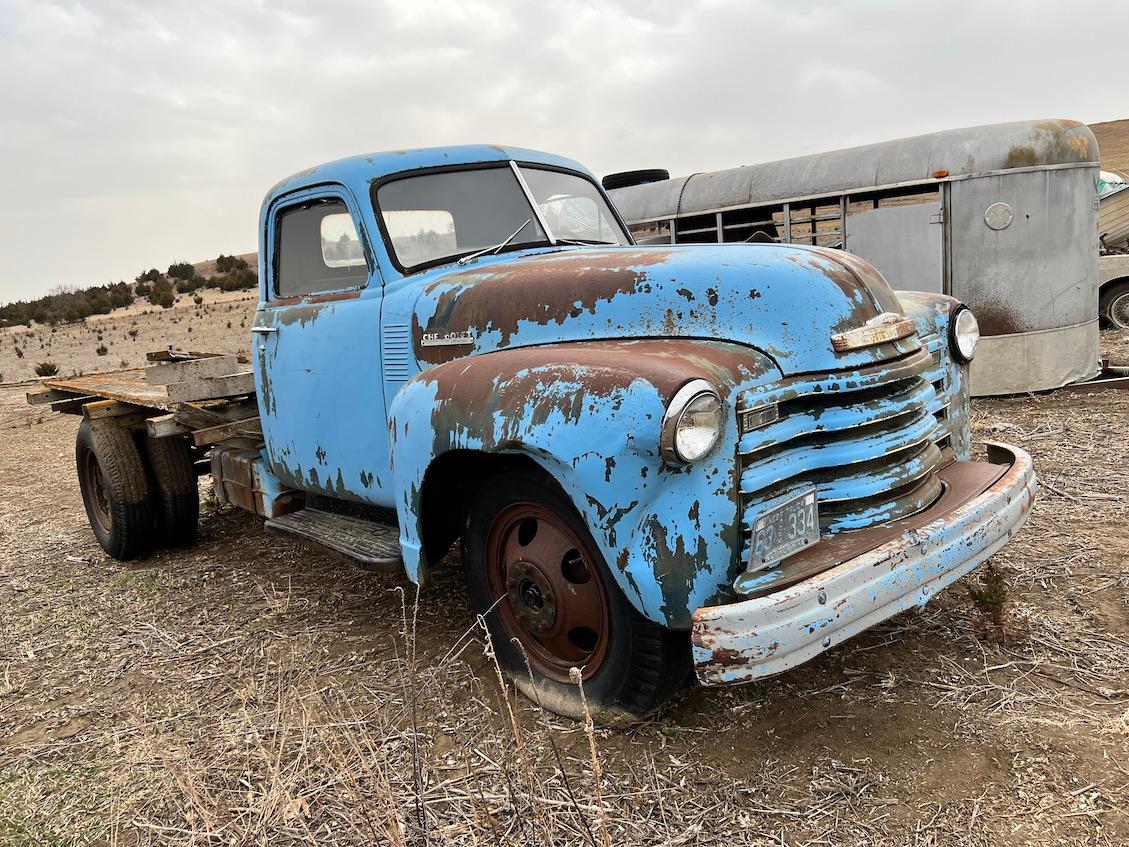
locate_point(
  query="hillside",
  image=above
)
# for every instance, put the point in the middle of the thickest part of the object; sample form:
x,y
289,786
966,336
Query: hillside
x,y
1113,142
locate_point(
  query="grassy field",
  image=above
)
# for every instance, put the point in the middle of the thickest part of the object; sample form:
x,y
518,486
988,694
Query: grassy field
x,y
249,690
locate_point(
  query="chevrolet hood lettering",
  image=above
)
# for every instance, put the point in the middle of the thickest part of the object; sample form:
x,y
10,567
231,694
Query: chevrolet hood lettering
x,y
784,300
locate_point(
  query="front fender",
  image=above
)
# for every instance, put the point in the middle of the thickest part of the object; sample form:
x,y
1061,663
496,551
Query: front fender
x,y
589,413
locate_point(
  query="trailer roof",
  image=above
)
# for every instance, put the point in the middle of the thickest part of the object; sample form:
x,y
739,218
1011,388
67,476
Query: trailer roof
x,y
957,152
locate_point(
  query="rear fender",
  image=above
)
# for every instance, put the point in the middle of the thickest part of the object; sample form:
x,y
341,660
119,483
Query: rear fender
x,y
589,413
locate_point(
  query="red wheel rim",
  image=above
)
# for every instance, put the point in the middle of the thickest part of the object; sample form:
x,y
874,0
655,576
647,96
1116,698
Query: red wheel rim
x,y
555,602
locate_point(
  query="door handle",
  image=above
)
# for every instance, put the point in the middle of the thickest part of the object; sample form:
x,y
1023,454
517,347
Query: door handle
x,y
264,329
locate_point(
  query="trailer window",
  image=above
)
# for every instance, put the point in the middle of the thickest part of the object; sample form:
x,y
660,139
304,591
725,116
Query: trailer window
x,y
319,250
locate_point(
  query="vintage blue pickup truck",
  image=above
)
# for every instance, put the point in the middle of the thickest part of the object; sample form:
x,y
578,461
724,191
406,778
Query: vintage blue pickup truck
x,y
728,458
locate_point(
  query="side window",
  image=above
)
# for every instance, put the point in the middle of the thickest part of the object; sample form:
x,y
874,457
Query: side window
x,y
318,250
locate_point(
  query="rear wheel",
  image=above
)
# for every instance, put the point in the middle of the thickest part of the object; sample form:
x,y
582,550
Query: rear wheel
x,y
114,488
551,605
1115,305
177,495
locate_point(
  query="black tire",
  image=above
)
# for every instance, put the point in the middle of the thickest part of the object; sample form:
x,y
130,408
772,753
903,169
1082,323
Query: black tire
x,y
1114,308
642,665
114,488
176,498
625,179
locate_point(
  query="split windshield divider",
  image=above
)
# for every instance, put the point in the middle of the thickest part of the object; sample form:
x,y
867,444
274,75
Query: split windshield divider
x,y
533,203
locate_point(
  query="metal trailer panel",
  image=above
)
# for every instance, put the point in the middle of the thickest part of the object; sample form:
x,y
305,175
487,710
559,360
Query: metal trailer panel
x,y
905,242
1023,256
1036,275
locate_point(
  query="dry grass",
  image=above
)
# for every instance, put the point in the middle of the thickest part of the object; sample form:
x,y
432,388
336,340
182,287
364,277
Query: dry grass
x,y
248,690
128,334
1113,143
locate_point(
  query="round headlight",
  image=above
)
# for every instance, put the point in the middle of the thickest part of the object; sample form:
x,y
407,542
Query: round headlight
x,y
692,423
965,332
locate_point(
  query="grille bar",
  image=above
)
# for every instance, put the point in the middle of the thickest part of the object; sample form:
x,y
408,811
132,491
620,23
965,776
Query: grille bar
x,y
870,441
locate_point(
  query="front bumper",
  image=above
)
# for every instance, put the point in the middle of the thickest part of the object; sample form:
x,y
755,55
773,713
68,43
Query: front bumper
x,y
752,639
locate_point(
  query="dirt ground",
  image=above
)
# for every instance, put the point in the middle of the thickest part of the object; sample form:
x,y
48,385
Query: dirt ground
x,y
249,690
220,324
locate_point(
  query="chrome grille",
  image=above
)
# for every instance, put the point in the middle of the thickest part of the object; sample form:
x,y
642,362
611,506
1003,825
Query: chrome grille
x,y
869,441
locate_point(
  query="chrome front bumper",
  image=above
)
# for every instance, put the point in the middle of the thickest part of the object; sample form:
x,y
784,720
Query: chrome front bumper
x,y
756,638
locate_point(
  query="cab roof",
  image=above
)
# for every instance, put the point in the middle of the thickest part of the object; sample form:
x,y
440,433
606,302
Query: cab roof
x,y
358,172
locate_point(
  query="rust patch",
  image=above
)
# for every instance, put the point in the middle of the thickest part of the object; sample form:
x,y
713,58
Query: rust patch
x,y
331,297
543,289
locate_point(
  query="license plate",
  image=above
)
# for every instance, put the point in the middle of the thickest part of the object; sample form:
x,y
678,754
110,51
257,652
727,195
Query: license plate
x,y
785,530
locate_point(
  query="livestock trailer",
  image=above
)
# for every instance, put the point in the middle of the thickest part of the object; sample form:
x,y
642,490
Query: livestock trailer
x,y
1002,217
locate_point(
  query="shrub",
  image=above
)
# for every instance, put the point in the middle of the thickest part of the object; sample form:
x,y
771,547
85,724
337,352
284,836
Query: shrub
x,y
226,264
198,299
101,349
161,295
46,369
19,353
143,289
181,270
151,275
133,333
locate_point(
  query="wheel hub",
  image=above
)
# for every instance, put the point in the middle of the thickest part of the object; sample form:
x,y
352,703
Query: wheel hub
x,y
531,597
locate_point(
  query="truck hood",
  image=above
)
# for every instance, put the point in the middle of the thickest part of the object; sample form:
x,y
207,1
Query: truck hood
x,y
784,300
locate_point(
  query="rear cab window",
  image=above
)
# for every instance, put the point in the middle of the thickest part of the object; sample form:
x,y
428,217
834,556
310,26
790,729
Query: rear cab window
x,y
319,250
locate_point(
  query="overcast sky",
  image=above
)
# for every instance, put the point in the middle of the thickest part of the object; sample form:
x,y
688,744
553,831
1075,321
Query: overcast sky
x,y
134,134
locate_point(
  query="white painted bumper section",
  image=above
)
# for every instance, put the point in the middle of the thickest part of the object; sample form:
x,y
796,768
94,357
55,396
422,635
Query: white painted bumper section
x,y
752,639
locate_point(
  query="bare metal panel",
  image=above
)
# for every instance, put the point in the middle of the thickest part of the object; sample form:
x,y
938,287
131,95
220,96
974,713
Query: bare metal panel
x,y
904,242
1035,361
1040,270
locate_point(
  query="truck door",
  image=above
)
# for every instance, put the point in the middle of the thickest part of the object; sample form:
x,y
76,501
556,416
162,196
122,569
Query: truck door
x,y
316,350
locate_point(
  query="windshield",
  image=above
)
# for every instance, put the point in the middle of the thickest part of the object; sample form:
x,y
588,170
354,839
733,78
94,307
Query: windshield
x,y
572,207
445,215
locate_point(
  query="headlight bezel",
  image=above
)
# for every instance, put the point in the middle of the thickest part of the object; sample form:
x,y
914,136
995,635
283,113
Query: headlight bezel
x,y
679,404
954,334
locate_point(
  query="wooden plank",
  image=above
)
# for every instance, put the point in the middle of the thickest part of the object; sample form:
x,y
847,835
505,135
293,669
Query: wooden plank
x,y
164,426
210,388
215,434
110,409
72,406
171,355
167,373
50,395
128,386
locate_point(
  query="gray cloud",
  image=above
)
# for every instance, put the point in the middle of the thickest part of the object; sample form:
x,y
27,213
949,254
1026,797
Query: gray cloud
x,y
137,133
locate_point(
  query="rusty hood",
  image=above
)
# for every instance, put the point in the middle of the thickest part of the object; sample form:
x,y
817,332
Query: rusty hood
x,y
785,300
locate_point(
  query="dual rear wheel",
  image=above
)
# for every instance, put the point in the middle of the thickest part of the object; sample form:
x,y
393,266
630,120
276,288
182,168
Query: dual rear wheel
x,y
139,492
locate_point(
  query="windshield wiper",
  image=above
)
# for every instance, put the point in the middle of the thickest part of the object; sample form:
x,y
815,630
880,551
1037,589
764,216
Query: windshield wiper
x,y
585,242
496,248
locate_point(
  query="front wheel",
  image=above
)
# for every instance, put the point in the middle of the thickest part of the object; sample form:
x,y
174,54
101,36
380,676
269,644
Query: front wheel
x,y
551,605
1115,305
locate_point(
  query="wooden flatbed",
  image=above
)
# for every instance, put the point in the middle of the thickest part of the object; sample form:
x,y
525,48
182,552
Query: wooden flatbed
x,y
211,397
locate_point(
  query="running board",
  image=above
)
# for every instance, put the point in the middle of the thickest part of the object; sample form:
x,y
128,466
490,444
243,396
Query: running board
x,y
367,542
